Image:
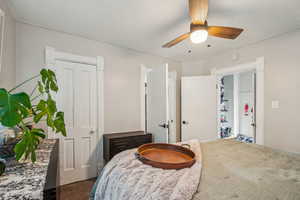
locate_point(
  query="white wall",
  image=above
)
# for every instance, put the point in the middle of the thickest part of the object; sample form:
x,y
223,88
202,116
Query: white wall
x,y
8,69
121,73
194,68
282,83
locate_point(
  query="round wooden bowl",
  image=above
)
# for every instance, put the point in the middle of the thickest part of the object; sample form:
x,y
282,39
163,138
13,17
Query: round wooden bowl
x,y
165,156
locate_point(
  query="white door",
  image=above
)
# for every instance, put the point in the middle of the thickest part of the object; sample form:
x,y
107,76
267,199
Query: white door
x,y
77,97
247,99
157,103
198,104
253,113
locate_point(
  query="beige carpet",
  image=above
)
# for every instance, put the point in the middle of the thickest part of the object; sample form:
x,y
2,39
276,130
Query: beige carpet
x,y
234,170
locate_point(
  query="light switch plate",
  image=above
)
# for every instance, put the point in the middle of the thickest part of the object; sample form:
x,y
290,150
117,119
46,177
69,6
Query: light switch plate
x,y
275,104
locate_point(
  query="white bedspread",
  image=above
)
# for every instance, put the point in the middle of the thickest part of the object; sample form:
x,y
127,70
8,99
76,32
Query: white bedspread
x,y
126,178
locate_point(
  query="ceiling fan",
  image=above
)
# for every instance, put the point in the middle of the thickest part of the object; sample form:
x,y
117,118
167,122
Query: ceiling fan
x,y
199,30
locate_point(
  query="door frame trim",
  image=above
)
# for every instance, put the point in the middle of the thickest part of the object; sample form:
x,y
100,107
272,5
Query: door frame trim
x,y
52,55
143,76
259,66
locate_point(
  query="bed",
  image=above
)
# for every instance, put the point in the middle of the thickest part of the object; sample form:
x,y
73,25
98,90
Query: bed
x,y
235,170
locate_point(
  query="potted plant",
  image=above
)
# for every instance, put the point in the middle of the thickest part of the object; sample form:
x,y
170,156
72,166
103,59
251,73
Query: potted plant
x,y
24,111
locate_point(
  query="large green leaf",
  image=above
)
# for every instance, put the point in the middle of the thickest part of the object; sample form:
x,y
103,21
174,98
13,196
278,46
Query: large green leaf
x,y
28,144
10,119
59,123
40,87
49,80
22,98
46,109
38,132
13,107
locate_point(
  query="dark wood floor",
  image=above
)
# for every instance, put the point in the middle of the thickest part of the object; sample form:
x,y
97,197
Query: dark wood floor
x,y
77,191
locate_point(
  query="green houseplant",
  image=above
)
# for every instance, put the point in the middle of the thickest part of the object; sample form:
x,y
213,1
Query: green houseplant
x,y
24,111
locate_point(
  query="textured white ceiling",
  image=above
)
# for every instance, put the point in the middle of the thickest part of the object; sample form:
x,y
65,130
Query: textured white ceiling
x,y
145,25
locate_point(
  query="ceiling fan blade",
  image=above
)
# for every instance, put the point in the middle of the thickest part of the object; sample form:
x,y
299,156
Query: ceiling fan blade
x,y
224,32
198,11
176,41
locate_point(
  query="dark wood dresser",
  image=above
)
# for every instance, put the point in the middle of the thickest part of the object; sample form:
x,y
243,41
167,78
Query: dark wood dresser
x,y
116,142
51,188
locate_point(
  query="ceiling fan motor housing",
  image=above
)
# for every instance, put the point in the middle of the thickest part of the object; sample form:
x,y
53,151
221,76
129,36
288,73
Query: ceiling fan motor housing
x,y
196,27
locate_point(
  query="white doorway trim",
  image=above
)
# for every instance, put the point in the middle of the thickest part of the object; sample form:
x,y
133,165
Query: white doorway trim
x,y
52,55
143,82
258,65
236,89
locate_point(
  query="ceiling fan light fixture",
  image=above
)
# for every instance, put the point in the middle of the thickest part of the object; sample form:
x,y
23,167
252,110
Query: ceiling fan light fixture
x,y
199,29
199,36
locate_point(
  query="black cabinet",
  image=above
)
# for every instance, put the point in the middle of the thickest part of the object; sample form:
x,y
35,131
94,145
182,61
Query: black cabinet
x,y
116,142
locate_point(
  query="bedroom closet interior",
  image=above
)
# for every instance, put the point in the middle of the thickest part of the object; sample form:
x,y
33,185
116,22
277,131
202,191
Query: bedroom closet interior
x,y
236,106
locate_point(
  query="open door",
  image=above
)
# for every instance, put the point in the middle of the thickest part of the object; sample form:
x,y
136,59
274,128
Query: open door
x,y
253,121
172,107
157,103
198,108
247,106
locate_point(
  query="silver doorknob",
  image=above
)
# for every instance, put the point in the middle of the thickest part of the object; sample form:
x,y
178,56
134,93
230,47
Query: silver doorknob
x,y
92,132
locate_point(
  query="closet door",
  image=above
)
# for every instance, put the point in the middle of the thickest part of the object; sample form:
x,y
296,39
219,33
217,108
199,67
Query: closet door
x,y
198,108
77,99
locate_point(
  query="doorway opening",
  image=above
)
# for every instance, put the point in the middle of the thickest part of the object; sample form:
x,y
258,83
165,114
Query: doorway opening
x,y
236,106
203,107
243,116
158,103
